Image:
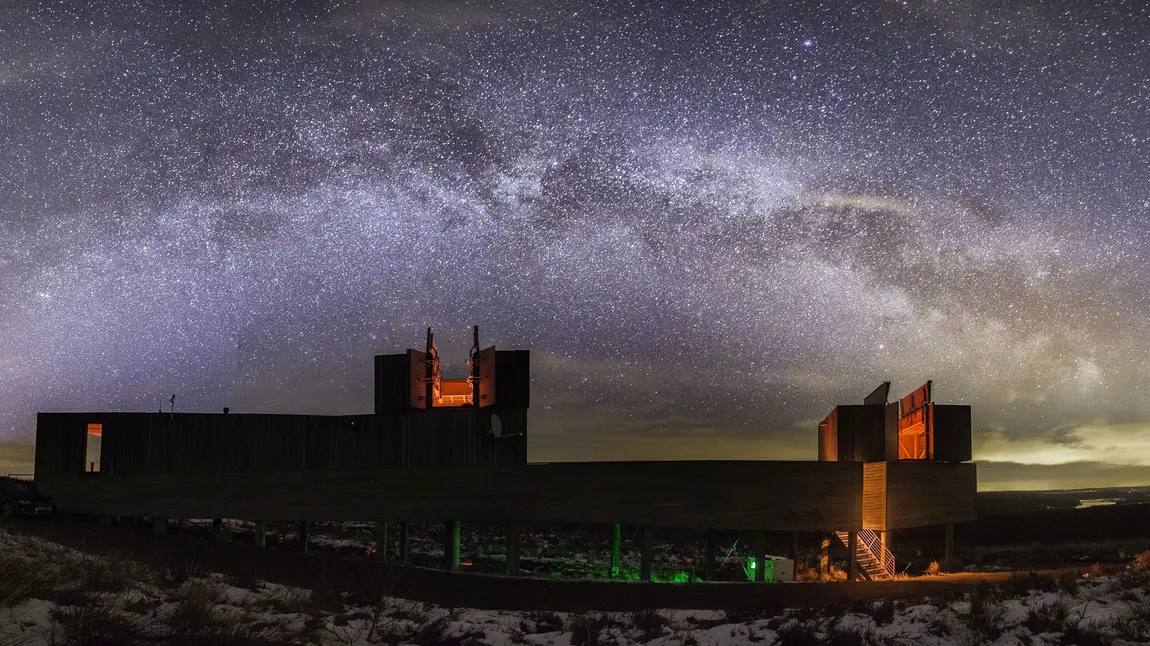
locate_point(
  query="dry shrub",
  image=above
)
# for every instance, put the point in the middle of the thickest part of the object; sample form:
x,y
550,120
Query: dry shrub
x,y
1020,585
1046,618
1141,562
107,574
587,629
650,624
546,622
1068,581
986,613
438,633
1135,624
195,608
934,569
99,623
797,633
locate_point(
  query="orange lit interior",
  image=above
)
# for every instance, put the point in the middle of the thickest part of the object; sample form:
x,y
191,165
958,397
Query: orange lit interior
x,y
453,392
96,429
912,436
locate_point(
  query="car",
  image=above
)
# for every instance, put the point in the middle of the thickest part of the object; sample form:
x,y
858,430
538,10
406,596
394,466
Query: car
x,y
18,498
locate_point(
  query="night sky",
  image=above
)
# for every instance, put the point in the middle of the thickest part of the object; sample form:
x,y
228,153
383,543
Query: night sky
x,y
709,224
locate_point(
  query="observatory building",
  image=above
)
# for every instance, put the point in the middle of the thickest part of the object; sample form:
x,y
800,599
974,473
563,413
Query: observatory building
x,y
455,450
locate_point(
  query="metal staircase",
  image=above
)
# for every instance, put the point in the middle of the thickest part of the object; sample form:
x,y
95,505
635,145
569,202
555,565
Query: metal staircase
x,y
875,561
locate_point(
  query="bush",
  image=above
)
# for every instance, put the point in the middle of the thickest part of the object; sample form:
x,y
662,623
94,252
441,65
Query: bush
x,y
883,613
547,622
650,624
586,629
985,617
196,607
797,634
1068,581
1141,562
1079,636
1020,585
934,569
436,633
1046,618
839,636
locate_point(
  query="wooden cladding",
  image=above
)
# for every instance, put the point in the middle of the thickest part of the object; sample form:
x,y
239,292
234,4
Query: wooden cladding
x,y
213,443
951,441
874,496
61,444
753,495
853,434
913,428
917,493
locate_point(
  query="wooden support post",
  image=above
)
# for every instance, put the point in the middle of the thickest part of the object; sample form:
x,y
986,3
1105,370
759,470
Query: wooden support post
x,y
948,555
760,557
709,556
404,545
513,534
303,537
645,556
451,531
261,537
884,540
217,523
825,557
160,526
852,556
616,549
382,544
795,548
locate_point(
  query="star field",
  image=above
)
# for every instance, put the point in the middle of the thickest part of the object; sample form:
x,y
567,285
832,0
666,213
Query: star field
x,y
710,224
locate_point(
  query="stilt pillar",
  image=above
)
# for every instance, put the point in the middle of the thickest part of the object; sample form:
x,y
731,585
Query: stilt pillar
x,y
303,537
382,542
513,534
616,549
404,547
709,556
825,557
160,526
645,555
948,555
261,535
760,573
852,556
795,548
451,545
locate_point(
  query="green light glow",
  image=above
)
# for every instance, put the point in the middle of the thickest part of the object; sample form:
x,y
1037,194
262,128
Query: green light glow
x,y
768,569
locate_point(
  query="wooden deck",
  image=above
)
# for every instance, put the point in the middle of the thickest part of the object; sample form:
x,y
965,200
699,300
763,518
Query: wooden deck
x,y
748,495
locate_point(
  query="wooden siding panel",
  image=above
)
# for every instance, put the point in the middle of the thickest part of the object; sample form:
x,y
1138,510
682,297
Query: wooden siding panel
x,y
874,496
487,378
952,433
791,496
828,438
923,493
189,443
513,376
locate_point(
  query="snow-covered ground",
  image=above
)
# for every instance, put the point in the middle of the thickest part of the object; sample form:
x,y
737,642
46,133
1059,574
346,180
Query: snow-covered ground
x,y
53,595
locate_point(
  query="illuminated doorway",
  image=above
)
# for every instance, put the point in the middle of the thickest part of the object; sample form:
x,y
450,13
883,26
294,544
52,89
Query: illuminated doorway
x,y
92,454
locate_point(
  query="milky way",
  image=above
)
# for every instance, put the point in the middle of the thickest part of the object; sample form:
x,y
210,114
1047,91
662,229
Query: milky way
x,y
706,223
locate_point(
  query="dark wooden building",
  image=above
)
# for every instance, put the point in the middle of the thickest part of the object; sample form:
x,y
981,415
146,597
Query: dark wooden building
x,y
456,450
